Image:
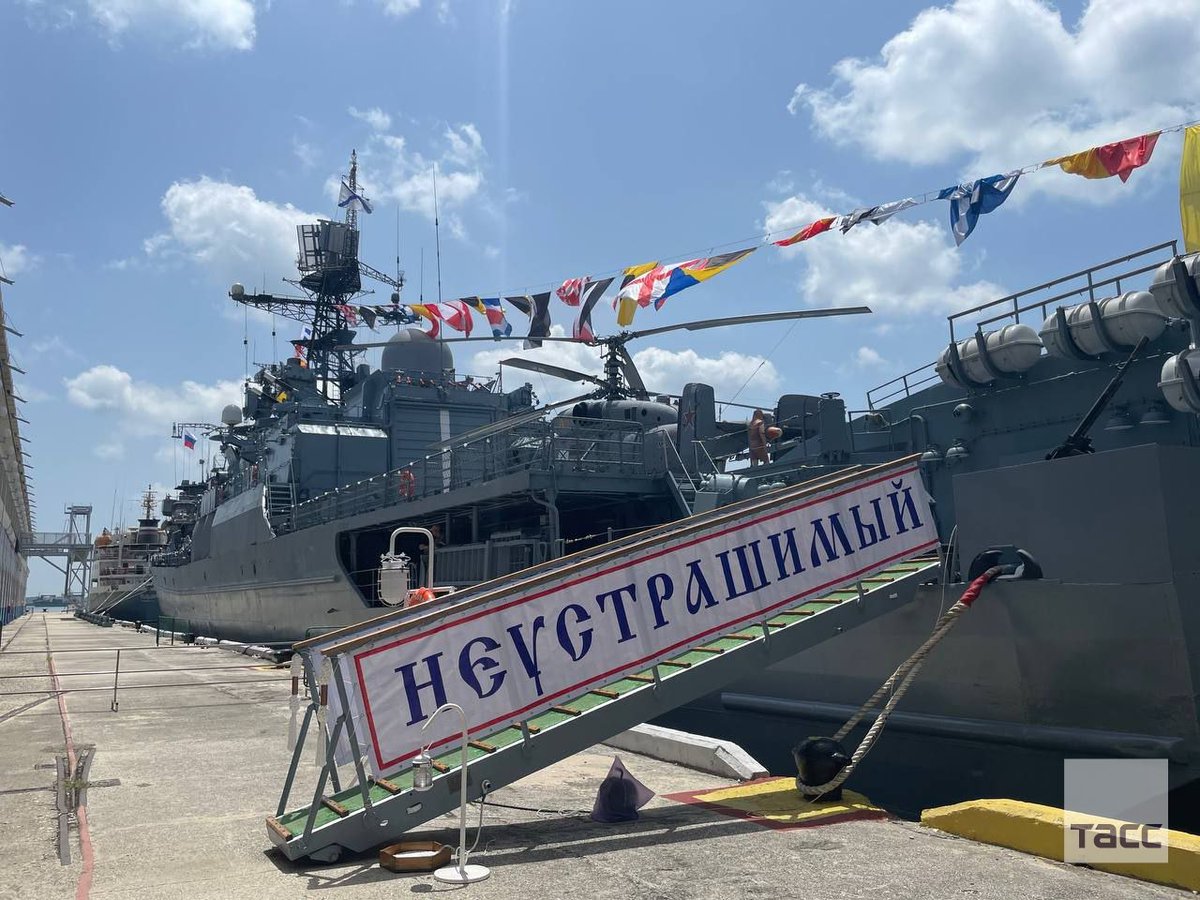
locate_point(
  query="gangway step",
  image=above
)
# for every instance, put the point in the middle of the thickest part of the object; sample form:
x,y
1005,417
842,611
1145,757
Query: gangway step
x,y
389,806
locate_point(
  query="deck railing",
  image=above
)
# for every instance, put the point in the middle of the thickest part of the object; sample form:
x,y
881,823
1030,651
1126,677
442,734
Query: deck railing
x,y
1035,304
565,444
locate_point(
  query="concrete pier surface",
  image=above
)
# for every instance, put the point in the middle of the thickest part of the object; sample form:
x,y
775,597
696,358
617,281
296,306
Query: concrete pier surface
x,y
187,767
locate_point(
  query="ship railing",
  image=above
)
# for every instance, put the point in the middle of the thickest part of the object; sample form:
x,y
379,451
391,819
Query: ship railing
x,y
171,558
871,429
1093,283
565,444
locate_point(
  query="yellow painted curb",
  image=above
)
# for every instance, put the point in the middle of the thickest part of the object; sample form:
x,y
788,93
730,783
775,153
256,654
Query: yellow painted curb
x,y
775,803
1036,829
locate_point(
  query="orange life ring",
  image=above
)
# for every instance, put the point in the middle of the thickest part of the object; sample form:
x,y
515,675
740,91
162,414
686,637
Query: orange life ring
x,y
418,596
408,483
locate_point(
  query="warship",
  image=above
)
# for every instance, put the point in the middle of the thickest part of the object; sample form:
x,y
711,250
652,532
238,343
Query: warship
x,y
327,457
122,587
1068,445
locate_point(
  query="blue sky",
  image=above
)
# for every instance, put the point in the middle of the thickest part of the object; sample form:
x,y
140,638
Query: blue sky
x,y
159,151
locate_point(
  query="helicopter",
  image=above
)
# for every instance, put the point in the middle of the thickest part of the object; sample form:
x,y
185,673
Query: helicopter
x,y
620,394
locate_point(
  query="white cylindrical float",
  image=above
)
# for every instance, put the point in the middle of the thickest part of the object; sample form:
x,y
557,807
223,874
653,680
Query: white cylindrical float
x,y
1127,319
1013,349
1171,381
1170,295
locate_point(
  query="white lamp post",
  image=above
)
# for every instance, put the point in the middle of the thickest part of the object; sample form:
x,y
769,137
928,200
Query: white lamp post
x,y
460,873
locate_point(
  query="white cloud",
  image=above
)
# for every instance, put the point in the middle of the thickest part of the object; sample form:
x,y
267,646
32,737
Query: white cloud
x,y
391,171
30,393
228,230
306,154
375,117
222,24
1004,83
445,12
143,408
16,258
51,14
466,146
867,358
670,370
895,268
663,371
399,8
109,450
54,346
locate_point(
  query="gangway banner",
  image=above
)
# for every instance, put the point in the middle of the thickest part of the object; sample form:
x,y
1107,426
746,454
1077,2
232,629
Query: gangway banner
x,y
521,652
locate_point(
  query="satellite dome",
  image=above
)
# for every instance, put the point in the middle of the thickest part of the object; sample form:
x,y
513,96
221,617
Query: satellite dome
x,y
415,352
237,291
231,415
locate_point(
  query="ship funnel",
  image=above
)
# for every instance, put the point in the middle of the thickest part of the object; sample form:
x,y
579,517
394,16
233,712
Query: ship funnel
x,y
1111,325
981,359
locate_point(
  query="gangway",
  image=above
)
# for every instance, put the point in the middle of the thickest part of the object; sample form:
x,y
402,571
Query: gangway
x,y
74,546
848,574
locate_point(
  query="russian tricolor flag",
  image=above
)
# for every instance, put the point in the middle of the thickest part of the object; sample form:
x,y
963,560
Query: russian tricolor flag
x,y
189,442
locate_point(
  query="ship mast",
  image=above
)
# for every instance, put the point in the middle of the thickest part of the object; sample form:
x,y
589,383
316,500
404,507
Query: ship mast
x,y
331,280
352,183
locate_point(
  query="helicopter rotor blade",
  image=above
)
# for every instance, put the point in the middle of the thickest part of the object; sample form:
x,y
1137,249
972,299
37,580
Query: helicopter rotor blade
x,y
632,376
504,424
531,365
371,345
748,320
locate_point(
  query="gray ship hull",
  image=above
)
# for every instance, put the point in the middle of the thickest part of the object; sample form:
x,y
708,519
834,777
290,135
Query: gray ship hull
x,y
1101,658
283,590
1035,673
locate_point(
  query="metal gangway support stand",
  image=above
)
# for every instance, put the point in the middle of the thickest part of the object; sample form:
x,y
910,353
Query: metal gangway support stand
x,y
73,547
791,568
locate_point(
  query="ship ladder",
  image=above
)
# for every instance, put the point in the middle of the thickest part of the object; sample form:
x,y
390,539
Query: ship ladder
x,y
358,816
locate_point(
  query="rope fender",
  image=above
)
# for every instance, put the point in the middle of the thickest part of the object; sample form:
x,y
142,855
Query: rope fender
x,y
826,757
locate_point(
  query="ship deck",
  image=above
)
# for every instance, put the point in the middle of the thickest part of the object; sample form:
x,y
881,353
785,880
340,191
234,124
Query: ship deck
x,y
183,775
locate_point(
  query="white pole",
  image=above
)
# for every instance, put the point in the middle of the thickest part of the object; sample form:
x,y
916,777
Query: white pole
x,y
462,873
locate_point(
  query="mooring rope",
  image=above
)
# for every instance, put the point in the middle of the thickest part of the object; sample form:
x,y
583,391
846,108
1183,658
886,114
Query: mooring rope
x,y
899,681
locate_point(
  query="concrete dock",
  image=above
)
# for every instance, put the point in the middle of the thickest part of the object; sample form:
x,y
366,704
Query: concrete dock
x,y
187,767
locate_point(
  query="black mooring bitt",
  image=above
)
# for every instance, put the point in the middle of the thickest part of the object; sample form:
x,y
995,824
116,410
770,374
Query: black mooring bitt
x,y
819,760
